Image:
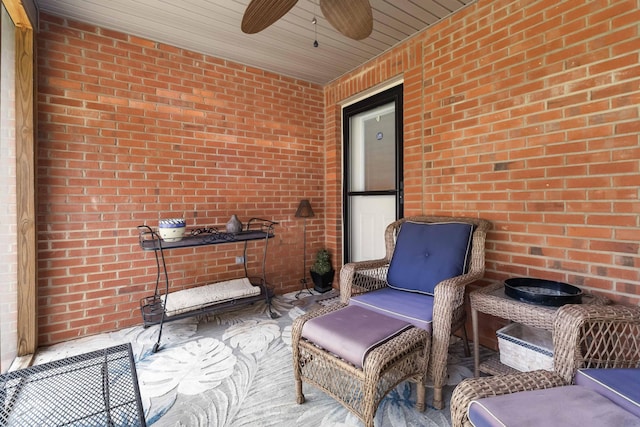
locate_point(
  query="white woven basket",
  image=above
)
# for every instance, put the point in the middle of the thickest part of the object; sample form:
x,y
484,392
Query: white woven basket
x,y
525,348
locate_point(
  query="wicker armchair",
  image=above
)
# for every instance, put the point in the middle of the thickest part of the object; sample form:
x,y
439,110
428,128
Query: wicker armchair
x,y
584,336
448,307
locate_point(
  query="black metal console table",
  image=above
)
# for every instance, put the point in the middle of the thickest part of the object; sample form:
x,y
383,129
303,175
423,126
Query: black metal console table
x,y
93,389
153,307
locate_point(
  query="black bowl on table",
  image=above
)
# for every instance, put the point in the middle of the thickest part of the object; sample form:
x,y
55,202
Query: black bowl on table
x,y
542,292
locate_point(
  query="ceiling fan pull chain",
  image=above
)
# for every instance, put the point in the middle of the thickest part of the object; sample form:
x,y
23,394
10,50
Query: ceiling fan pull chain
x,y
314,21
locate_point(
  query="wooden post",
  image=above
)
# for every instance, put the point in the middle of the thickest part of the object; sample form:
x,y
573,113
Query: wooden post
x,y
25,193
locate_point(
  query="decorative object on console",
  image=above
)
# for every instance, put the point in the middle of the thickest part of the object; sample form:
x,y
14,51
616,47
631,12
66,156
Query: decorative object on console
x,y
322,272
172,230
234,225
304,211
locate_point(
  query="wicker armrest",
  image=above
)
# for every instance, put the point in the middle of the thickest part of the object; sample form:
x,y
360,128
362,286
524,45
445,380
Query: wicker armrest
x,y
449,295
476,388
595,336
363,276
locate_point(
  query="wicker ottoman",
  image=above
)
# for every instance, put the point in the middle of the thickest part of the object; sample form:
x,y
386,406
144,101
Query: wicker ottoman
x,y
342,353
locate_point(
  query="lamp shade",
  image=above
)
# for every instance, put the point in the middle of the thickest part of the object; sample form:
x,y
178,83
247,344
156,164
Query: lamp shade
x,y
304,209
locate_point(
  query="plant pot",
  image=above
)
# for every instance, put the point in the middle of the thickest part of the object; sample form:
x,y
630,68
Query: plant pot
x,y
322,282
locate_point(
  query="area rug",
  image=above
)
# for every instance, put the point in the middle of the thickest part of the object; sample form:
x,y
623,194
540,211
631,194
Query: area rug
x,y
235,369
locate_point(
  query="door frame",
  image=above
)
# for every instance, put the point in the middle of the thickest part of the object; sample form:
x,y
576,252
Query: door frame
x,y
395,95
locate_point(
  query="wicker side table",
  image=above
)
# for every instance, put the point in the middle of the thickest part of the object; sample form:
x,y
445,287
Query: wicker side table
x,y
492,300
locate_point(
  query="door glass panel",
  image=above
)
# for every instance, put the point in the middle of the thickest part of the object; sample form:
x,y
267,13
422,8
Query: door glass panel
x,y
373,150
8,220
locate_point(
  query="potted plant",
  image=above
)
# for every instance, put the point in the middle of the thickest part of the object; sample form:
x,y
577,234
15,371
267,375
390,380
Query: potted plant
x,y
322,272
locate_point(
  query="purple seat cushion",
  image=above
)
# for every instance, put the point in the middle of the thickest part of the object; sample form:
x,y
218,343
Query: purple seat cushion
x,y
352,332
428,253
411,307
569,406
622,386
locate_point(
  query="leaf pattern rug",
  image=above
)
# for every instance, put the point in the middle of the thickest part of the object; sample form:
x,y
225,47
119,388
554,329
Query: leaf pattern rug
x,y
235,369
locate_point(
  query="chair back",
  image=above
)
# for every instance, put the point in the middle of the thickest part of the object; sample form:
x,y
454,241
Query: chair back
x,y
481,226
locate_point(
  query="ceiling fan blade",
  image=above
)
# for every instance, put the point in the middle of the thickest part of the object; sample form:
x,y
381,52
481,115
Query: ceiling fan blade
x,y
262,13
352,18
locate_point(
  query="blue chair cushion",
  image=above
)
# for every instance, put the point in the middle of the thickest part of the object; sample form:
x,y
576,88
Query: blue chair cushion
x,y
569,406
621,386
411,307
352,332
428,253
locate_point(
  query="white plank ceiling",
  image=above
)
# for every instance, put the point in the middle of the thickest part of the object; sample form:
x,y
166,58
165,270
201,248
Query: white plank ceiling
x,y
213,27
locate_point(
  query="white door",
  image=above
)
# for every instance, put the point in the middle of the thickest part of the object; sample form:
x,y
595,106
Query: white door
x,y
373,178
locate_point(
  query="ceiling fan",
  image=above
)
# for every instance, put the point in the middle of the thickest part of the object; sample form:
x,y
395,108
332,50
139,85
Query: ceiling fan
x,y
352,18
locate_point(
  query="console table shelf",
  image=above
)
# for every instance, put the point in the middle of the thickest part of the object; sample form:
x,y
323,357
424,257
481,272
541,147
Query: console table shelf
x,y
149,240
250,290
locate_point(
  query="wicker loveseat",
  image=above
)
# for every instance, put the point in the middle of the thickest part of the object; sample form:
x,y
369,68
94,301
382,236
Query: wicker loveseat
x,y
362,282
600,343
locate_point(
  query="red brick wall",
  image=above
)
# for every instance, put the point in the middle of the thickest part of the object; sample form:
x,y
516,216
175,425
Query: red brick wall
x,y
521,112
132,131
524,113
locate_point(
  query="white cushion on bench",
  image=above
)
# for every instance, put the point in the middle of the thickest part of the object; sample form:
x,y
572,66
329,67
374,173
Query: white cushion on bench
x,y
202,296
